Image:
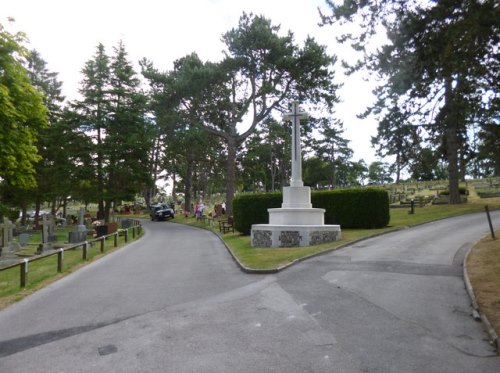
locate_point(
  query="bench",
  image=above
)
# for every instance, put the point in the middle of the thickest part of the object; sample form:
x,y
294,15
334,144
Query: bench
x,y
226,225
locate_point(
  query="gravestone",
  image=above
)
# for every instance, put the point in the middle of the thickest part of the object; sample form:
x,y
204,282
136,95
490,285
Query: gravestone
x,y
126,223
8,247
23,239
81,221
80,232
48,233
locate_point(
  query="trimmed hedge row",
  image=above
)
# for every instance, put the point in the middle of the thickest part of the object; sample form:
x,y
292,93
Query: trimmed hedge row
x,y
354,208
351,208
252,208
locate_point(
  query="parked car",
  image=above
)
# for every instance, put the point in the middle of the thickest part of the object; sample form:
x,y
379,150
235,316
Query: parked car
x,y
161,211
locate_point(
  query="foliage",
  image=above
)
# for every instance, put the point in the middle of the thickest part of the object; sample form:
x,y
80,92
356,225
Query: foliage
x,y
265,159
378,173
112,113
334,149
354,208
260,73
22,114
440,65
252,209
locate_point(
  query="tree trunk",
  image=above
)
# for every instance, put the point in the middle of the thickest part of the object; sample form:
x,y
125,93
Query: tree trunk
x,y
174,191
398,168
187,183
100,176
230,174
451,133
107,209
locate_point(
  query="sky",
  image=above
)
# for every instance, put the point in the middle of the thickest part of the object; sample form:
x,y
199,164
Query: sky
x,y
66,33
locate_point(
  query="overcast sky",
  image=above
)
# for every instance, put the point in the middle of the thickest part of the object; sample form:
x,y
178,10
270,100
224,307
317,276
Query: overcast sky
x,y
66,33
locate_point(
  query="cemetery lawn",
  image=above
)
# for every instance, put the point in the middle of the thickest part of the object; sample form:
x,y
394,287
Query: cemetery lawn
x,y
272,258
483,266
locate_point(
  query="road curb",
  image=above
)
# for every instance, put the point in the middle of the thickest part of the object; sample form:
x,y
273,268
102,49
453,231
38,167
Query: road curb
x,y
476,312
296,261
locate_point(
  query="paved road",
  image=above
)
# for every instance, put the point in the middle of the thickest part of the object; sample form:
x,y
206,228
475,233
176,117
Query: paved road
x,y
174,301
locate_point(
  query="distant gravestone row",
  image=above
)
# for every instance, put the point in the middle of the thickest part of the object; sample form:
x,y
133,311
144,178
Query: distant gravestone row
x,y
83,226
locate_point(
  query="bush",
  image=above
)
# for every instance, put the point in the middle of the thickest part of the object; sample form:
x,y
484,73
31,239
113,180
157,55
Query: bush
x,y
354,208
252,208
351,208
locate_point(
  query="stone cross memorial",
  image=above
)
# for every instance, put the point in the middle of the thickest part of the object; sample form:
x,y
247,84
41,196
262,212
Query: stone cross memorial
x,y
8,247
296,223
295,116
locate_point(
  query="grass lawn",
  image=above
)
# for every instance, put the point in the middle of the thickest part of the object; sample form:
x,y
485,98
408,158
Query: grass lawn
x,y
483,266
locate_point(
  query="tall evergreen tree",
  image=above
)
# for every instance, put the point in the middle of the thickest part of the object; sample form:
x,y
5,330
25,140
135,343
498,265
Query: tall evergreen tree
x,y
94,116
127,142
333,148
441,58
53,172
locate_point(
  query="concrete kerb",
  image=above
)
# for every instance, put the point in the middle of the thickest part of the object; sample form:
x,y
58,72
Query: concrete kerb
x,y
476,312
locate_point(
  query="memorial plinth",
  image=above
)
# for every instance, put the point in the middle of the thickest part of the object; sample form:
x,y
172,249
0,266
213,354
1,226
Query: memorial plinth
x,y
296,223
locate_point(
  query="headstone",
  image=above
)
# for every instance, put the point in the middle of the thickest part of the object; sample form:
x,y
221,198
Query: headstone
x,y
126,223
23,239
8,247
47,233
81,221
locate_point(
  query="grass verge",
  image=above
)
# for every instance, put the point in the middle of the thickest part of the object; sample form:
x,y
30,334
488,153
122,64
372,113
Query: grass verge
x,y
483,267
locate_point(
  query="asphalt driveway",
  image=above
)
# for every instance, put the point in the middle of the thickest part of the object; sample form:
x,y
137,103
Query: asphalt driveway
x,y
175,301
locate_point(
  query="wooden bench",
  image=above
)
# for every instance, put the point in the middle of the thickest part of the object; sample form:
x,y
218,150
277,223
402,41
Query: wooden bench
x,y
226,225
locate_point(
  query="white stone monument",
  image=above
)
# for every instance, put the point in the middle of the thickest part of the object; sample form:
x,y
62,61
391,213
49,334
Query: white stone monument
x,y
296,223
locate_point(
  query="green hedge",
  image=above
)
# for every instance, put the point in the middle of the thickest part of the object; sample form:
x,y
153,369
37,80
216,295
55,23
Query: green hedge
x,y
354,208
252,208
351,208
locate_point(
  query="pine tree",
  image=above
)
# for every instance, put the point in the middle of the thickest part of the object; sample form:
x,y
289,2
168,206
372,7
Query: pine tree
x,y
441,60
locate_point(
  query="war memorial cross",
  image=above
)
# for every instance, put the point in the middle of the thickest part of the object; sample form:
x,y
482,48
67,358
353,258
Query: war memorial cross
x,y
295,116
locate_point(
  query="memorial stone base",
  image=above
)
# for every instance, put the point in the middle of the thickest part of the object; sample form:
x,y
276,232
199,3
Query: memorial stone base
x,y
295,224
270,235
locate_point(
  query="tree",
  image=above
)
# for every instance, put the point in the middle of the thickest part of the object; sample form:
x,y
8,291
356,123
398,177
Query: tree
x,y
266,158
315,172
333,148
127,141
489,149
378,173
94,115
113,114
396,137
261,72
441,59
22,114
425,165
54,171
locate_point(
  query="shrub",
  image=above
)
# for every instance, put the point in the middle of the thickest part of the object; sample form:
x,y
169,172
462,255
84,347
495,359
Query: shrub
x,y
354,208
351,208
252,208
